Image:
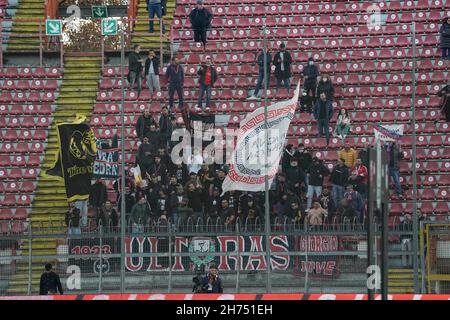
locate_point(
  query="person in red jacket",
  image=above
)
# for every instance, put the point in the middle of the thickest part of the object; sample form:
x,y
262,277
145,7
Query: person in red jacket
x,y
358,177
208,77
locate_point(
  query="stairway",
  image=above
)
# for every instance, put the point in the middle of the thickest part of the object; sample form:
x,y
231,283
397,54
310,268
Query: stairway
x,y
401,280
77,96
25,32
151,41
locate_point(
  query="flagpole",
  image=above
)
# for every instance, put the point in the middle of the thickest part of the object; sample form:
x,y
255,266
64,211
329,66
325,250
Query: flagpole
x,y
266,177
122,187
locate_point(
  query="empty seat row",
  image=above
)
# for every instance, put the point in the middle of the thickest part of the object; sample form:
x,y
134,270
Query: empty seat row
x,y
14,134
14,213
30,72
19,174
11,200
32,96
21,147
18,187
20,160
36,84
14,122
26,109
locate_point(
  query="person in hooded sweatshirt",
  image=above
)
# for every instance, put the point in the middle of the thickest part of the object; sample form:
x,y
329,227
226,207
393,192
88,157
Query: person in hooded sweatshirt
x,y
444,31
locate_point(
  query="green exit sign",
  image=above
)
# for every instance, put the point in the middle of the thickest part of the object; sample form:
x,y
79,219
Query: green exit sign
x,y
53,27
109,27
99,12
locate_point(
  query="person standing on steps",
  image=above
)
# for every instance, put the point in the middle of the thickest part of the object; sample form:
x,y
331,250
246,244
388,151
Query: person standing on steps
x,y
282,62
208,76
135,68
310,74
154,7
200,19
259,83
152,72
323,112
50,283
175,79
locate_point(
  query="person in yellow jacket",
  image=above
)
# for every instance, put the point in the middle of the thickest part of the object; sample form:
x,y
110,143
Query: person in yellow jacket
x,y
348,155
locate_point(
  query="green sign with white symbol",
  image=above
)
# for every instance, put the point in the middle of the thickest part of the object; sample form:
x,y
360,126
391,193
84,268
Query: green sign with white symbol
x,y
99,12
109,27
53,27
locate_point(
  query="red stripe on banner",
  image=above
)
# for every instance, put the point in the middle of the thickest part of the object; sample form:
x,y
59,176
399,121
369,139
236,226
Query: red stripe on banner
x,y
273,296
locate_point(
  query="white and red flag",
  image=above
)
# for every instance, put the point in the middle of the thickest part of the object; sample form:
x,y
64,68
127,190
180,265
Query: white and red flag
x,y
247,168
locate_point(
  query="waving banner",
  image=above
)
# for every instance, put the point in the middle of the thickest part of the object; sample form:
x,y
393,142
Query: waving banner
x,y
388,132
248,163
106,164
74,163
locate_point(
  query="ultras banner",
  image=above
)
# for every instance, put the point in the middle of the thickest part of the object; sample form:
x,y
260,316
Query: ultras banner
x,y
254,149
106,164
76,156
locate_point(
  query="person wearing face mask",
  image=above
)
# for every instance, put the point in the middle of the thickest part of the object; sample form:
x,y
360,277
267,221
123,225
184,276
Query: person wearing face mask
x,y
306,101
282,62
325,86
208,76
310,74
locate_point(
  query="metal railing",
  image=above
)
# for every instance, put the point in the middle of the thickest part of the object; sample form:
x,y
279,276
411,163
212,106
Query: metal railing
x,y
161,258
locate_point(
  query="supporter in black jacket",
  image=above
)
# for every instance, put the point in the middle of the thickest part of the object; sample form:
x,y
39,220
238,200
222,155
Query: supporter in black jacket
x,y
326,86
98,196
339,179
143,124
200,19
135,68
316,172
282,62
50,283
444,31
310,74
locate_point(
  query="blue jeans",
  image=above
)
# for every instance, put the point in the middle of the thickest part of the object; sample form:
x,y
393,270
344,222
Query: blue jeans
x,y
311,190
204,89
337,194
259,82
83,207
74,231
323,128
152,10
395,174
286,83
137,228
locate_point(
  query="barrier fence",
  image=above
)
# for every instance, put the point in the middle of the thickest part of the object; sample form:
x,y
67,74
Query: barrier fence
x,y
167,261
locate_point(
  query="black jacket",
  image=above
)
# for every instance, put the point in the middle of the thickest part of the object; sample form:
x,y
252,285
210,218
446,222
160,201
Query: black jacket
x,y
73,218
202,73
312,72
260,61
287,65
326,87
98,195
143,125
339,175
317,172
444,31
200,18
304,160
129,202
50,284
133,63
155,62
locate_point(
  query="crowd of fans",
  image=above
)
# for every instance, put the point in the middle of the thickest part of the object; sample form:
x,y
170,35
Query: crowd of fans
x,y
304,188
